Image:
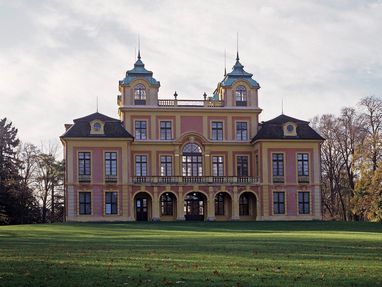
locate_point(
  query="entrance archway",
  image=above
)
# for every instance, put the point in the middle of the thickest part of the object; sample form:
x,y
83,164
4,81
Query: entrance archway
x,y
143,206
247,206
168,206
223,206
195,206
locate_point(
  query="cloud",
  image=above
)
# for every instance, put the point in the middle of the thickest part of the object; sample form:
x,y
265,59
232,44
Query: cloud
x,y
57,57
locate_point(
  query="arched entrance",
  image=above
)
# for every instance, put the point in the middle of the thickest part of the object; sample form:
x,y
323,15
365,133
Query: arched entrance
x,y
223,206
142,206
247,206
195,206
167,206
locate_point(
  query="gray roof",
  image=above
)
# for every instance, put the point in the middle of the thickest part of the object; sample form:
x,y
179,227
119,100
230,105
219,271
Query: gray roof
x,y
139,71
113,128
237,74
273,129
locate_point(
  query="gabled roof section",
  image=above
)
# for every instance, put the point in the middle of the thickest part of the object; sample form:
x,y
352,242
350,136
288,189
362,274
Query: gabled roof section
x,y
113,128
139,71
273,129
238,73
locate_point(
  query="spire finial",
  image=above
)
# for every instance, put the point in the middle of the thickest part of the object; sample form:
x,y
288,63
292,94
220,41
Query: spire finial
x,y
237,46
282,105
225,62
97,104
139,47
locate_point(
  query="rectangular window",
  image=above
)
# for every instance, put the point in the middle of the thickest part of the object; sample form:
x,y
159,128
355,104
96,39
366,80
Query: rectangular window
x,y
140,130
278,164
217,130
279,202
110,163
84,163
141,165
217,166
241,131
242,165
304,202
303,164
166,165
165,130
111,203
85,203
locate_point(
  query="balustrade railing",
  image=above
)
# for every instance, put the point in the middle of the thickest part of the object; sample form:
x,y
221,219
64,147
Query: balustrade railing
x,y
189,103
194,180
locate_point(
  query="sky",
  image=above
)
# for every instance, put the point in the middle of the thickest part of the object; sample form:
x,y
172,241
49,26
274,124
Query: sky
x,y
57,57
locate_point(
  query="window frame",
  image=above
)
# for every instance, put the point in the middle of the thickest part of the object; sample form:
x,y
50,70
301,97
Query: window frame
x,y
304,164
241,96
163,165
276,206
138,126
140,94
217,130
111,161
302,203
240,163
115,204
167,135
217,165
241,134
85,160
88,205
191,160
143,165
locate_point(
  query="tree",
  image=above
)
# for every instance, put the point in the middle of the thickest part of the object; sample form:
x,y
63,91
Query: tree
x,y
9,167
49,181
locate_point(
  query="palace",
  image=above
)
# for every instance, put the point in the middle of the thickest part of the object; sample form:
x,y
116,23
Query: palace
x,y
176,159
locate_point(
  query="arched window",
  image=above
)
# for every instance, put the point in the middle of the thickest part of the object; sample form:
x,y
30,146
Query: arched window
x,y
192,160
241,96
140,94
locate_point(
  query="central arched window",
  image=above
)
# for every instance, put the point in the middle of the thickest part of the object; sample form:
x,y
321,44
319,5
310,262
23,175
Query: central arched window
x,y
192,160
140,94
241,96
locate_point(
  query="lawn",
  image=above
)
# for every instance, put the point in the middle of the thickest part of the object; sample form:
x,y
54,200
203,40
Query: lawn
x,y
192,254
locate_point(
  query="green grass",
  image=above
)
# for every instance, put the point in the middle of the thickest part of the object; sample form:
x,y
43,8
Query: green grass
x,y
192,254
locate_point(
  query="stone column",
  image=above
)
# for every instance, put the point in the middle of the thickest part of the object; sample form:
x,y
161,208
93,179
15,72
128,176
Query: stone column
x,y
235,204
211,205
180,205
155,205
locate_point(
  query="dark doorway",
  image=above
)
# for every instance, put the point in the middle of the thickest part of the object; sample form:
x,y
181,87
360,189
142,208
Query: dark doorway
x,y
195,206
142,205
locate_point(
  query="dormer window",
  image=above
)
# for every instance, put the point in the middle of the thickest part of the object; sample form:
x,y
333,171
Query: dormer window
x,y
140,95
290,129
96,127
241,96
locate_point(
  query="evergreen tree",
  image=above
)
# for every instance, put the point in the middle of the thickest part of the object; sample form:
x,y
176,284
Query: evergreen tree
x,y
9,166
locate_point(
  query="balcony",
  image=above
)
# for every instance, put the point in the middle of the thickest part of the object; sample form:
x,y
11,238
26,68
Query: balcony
x,y
111,179
278,179
190,103
84,178
185,180
303,179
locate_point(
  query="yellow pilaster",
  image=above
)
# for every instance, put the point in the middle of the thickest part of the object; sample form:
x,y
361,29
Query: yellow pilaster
x,y
180,204
131,204
235,204
211,204
155,205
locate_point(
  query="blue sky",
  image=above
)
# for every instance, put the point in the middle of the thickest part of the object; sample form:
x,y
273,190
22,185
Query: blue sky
x,y
57,57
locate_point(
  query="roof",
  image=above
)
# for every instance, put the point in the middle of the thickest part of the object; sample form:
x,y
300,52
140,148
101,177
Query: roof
x,y
113,128
273,129
139,71
238,73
